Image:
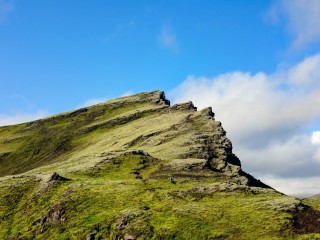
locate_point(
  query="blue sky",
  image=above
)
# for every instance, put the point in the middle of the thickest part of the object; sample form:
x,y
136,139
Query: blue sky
x,y
255,62
78,50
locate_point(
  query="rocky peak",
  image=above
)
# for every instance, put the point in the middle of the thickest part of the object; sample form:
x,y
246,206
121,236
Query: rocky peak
x,y
136,168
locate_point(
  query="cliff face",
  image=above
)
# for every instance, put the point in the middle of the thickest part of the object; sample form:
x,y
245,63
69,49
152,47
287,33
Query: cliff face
x,y
136,168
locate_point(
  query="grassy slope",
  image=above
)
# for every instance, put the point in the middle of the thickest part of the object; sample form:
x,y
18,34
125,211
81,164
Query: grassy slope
x,y
134,166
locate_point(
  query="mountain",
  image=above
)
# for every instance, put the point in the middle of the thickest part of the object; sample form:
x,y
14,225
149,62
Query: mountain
x,y
315,196
137,168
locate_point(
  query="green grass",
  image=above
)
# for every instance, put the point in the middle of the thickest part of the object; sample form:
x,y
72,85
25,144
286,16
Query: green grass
x,y
97,200
158,209
31,145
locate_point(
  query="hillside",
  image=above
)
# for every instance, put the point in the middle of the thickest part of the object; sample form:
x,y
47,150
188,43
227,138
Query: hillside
x,y
137,168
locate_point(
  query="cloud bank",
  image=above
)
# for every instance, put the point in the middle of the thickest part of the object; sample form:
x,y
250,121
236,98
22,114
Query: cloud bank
x,y
266,118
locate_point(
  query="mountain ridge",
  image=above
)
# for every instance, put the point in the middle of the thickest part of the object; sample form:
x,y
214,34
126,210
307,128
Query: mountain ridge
x,y
137,168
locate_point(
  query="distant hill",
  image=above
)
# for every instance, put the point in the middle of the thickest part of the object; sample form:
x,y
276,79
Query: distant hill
x,y
137,168
316,196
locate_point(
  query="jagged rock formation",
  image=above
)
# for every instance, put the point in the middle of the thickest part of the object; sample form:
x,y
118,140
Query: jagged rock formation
x,y
136,168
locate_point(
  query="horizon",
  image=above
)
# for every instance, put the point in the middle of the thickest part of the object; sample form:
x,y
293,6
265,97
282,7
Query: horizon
x,y
255,63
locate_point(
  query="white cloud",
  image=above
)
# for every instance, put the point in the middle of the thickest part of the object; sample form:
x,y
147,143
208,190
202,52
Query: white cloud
x,y
296,186
15,118
167,38
127,93
92,101
302,18
315,139
265,116
292,157
5,8
307,72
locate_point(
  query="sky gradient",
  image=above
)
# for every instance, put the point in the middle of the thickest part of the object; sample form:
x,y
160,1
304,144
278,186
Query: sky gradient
x,y
255,62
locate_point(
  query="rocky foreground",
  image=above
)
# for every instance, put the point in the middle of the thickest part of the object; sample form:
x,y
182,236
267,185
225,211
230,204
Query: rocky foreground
x,y
138,168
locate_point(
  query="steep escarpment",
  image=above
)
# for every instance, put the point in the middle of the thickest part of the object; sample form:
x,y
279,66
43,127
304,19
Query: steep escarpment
x,y
137,168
